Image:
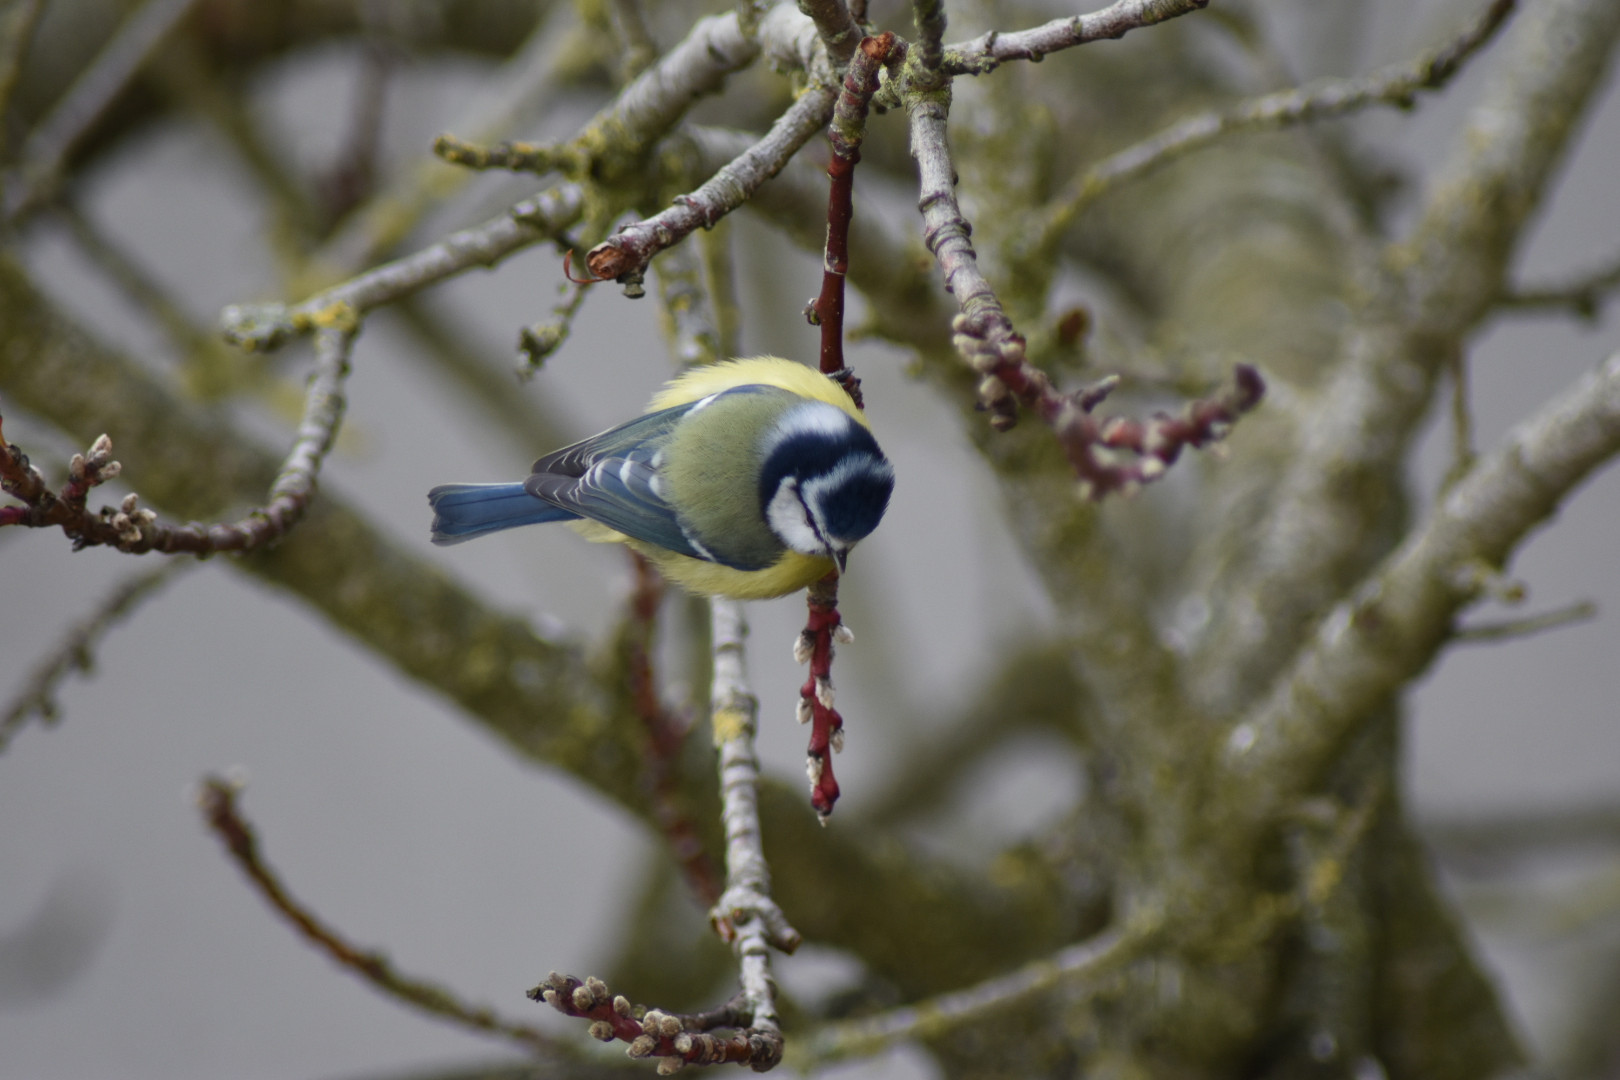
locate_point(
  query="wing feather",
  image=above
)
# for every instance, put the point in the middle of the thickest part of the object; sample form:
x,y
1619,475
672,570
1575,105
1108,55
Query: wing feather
x,y
613,478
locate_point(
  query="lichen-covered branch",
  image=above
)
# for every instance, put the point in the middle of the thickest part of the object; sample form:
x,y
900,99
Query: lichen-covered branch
x,y
265,326
136,530
1091,962
746,915
837,30
627,252
1396,622
1446,275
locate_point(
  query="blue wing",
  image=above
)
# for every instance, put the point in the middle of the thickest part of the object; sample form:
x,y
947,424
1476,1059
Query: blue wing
x,y
463,511
613,478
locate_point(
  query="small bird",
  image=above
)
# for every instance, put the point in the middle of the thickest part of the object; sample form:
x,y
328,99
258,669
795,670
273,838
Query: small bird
x,y
747,478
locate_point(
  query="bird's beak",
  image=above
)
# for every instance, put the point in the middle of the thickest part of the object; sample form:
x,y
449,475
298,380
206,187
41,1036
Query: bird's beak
x,y
840,556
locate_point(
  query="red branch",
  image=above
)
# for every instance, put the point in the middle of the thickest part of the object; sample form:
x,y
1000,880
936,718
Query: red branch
x,y
666,736
1092,446
815,645
677,1039
845,135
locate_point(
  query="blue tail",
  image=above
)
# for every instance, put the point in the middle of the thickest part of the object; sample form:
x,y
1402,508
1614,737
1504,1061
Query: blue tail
x,y
463,511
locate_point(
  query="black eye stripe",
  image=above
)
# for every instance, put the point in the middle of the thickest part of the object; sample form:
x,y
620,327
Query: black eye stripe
x,y
809,518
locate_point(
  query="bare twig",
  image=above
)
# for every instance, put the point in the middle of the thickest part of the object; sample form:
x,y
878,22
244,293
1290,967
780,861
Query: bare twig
x,y
1091,962
675,1039
989,51
837,29
815,647
48,146
265,326
1583,296
1511,629
929,15
136,530
1395,85
217,800
538,341
76,652
987,341
666,735
625,254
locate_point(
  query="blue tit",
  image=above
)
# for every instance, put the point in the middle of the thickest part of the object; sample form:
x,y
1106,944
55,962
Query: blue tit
x,y
749,479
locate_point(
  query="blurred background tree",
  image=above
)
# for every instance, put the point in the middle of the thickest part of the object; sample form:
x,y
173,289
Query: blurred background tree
x,y
1131,780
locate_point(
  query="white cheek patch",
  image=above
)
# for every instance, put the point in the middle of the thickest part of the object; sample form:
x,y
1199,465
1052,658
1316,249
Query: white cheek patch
x,y
785,515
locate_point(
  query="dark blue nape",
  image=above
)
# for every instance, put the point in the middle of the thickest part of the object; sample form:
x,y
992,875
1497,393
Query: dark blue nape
x,y
856,506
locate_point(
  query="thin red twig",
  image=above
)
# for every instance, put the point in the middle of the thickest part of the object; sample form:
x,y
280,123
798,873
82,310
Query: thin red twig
x,y
815,643
845,135
217,800
666,737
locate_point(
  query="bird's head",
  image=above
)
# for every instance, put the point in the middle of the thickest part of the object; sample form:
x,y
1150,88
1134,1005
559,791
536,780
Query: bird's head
x,y
824,483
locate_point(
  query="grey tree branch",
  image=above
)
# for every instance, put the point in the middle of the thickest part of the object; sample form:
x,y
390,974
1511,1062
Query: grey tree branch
x,y
838,32
48,146
989,51
1401,616
1583,296
1090,962
1450,270
745,915
265,326
1395,85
